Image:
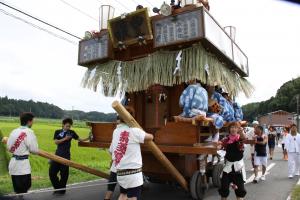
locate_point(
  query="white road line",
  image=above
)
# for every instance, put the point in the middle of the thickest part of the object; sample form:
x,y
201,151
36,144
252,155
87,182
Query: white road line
x,y
251,178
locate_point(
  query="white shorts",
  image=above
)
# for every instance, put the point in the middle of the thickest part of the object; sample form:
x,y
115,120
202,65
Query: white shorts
x,y
260,160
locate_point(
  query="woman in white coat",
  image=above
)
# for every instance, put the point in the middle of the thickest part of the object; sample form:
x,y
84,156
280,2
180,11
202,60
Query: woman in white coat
x,y
292,146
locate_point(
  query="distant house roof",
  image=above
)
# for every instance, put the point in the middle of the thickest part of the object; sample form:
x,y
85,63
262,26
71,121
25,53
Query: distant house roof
x,y
279,112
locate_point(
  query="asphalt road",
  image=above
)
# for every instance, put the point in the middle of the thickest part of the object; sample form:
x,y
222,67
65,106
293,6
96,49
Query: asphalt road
x,y
276,187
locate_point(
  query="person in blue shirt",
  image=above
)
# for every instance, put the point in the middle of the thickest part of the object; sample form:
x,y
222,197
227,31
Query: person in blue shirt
x,y
62,139
215,108
194,100
227,109
238,112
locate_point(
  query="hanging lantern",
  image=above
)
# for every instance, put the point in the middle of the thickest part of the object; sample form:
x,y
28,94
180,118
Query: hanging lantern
x,y
106,13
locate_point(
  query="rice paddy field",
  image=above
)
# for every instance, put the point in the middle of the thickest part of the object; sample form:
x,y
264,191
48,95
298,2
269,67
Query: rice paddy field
x,y
44,130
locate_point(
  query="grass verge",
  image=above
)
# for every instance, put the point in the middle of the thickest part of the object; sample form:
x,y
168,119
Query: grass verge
x,y
296,193
44,130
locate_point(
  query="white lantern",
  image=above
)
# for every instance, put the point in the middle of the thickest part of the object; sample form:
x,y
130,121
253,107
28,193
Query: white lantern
x,y
106,13
231,30
188,2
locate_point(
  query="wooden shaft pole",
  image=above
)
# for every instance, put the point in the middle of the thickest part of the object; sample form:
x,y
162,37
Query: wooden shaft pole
x,y
72,164
3,157
68,162
130,121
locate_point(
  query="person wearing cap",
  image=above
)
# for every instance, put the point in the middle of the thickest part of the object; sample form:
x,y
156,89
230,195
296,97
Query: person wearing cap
x,y
292,146
194,100
21,142
127,158
250,135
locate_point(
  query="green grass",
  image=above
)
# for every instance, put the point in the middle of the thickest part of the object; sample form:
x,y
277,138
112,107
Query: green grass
x,y
44,130
296,193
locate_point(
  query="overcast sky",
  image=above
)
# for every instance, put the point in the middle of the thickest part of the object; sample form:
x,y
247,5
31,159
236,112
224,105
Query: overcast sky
x,y
36,65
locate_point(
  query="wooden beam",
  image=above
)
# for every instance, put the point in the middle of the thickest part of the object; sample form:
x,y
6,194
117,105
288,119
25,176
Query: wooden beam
x,y
3,157
130,121
67,162
196,150
72,164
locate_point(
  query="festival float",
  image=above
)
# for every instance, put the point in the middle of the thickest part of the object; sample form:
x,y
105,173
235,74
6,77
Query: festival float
x,y
147,60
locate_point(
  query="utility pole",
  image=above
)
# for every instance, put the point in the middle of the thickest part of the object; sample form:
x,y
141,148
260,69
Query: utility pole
x,y
297,119
72,112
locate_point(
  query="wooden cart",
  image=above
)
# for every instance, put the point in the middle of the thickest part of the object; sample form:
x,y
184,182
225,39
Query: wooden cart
x,y
143,66
182,141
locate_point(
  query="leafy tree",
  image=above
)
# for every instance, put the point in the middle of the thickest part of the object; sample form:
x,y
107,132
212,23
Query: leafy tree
x,y
285,99
13,107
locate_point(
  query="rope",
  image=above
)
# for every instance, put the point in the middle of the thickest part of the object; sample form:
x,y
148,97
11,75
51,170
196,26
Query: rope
x,y
56,190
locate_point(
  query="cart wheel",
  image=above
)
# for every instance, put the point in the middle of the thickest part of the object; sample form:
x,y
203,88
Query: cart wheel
x,y
198,186
216,175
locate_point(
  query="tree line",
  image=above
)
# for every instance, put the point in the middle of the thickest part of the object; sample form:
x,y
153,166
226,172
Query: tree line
x,y
285,99
13,107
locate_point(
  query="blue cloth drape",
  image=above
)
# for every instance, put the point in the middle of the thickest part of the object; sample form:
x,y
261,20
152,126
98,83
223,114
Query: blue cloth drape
x,y
193,97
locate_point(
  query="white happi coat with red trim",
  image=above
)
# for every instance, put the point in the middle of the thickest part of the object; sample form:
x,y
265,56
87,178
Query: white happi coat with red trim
x,y
22,141
126,154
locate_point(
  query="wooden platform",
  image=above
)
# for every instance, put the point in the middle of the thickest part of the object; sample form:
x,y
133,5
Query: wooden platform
x,y
201,120
205,148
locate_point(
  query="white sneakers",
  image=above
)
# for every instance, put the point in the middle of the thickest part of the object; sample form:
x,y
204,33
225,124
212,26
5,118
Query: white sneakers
x,y
256,179
291,176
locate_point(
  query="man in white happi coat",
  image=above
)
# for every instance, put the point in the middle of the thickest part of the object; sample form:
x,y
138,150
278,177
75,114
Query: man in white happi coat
x,y
127,158
292,146
21,142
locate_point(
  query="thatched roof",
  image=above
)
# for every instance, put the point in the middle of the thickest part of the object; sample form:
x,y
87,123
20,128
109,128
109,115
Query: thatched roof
x,y
158,68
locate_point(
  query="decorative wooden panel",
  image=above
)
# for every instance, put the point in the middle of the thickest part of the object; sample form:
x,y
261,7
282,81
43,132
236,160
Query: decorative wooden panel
x,y
102,132
127,29
156,110
95,50
134,51
177,133
180,28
